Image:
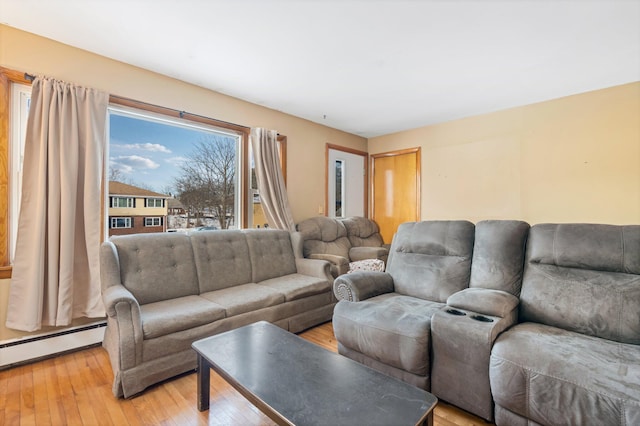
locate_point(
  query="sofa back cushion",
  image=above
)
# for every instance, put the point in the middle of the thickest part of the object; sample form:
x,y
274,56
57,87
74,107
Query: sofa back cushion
x,y
431,259
324,235
584,278
222,259
498,255
158,266
362,232
271,253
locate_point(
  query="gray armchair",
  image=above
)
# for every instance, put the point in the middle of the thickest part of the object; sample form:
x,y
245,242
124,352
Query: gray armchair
x,y
328,239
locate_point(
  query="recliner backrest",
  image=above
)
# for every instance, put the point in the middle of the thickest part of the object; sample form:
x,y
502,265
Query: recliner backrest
x,y
362,232
584,278
431,259
498,255
324,235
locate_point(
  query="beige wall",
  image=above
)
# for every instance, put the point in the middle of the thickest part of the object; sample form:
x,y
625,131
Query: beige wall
x,y
573,159
306,141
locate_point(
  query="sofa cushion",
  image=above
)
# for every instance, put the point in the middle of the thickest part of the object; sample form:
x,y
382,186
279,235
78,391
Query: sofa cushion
x,y
297,286
554,376
222,259
391,328
323,234
244,298
271,253
181,313
362,232
158,266
431,259
584,278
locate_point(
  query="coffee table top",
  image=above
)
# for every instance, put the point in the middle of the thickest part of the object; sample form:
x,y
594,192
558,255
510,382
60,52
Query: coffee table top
x,y
304,384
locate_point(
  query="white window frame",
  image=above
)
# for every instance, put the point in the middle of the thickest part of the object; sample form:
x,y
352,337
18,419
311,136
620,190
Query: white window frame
x,y
114,222
148,202
151,221
129,201
20,103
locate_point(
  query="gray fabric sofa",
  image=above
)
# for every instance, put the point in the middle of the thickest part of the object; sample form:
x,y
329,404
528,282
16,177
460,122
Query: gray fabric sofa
x,y
341,241
574,358
524,326
164,291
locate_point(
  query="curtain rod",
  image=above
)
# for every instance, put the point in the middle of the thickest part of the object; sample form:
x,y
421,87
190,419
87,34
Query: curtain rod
x,y
179,112
30,77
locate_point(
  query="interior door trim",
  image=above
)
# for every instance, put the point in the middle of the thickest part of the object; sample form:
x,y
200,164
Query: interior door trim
x,y
364,154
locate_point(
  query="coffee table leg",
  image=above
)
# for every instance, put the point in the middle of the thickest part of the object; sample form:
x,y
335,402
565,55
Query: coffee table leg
x,y
203,383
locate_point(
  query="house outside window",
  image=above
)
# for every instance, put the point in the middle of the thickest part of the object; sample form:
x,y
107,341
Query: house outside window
x,y
122,202
154,202
120,222
152,221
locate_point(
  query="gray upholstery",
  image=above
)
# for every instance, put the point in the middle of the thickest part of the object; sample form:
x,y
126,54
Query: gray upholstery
x,y
341,241
164,291
461,343
574,358
384,318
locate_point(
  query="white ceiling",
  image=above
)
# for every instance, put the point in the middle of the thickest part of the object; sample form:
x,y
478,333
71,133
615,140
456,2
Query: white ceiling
x,y
368,67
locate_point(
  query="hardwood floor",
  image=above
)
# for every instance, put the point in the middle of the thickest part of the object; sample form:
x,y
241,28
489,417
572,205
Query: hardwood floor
x,y
75,389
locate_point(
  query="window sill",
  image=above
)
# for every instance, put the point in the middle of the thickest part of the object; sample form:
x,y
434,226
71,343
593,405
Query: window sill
x,y
5,272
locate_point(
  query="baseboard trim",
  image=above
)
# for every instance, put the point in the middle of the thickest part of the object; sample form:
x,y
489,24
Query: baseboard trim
x,y
38,347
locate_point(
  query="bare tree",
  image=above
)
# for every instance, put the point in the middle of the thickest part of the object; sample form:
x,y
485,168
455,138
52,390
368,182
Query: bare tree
x,y
207,179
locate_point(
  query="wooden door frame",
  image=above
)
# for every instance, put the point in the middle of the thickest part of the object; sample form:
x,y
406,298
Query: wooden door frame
x,y
373,157
326,175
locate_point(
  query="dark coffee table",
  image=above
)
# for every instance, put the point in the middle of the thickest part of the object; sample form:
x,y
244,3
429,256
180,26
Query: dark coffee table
x,y
296,382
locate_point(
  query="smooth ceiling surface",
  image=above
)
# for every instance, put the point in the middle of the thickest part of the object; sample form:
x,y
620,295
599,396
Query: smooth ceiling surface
x,y
368,67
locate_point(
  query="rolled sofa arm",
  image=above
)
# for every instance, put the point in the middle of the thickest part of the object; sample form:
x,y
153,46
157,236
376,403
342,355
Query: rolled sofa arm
x,y
339,264
314,267
362,253
125,323
362,285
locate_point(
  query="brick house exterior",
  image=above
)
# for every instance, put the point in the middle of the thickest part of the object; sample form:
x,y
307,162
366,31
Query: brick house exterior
x,y
134,210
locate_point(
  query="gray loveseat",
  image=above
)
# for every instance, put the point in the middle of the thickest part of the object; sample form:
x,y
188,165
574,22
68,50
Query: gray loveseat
x,y
554,342
164,291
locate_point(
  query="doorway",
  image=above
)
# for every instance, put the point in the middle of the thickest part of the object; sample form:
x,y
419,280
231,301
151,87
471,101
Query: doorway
x,y
395,189
346,184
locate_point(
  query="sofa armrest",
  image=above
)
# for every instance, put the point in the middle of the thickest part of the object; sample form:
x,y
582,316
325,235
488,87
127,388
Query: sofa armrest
x,y
123,310
362,285
495,303
339,264
314,267
362,253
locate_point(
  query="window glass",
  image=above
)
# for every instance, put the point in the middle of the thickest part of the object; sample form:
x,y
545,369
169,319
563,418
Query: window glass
x,y
185,171
120,222
338,208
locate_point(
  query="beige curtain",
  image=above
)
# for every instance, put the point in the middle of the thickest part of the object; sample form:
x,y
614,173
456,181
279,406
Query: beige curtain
x,y
273,193
56,270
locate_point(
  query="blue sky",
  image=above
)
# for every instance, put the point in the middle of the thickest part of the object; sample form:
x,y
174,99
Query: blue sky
x,y
148,152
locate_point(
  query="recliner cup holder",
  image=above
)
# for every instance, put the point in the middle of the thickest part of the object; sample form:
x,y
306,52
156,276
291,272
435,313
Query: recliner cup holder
x,y
481,318
455,312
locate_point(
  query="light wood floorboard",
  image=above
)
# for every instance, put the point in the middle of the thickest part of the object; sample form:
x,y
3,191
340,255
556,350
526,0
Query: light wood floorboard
x,y
75,389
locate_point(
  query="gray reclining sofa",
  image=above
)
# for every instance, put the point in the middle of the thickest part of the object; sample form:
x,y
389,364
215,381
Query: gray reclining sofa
x,y
523,325
164,291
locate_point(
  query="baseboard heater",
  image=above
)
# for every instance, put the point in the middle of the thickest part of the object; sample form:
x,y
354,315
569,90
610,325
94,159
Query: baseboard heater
x,y
34,348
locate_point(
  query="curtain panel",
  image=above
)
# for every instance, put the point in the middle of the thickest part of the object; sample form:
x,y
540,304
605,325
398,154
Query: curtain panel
x,y
273,193
56,269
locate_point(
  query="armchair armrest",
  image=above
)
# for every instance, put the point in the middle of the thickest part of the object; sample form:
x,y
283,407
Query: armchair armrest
x,y
123,311
362,285
314,267
484,301
340,264
362,253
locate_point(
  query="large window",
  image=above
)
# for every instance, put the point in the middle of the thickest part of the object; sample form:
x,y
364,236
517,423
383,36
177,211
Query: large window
x,y
157,157
121,202
152,221
120,222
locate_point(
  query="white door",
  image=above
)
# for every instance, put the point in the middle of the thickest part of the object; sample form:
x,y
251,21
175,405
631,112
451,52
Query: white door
x,y
346,174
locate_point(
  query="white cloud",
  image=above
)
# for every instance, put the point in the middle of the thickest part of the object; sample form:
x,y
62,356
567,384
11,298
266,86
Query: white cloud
x,y
154,147
129,163
176,161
